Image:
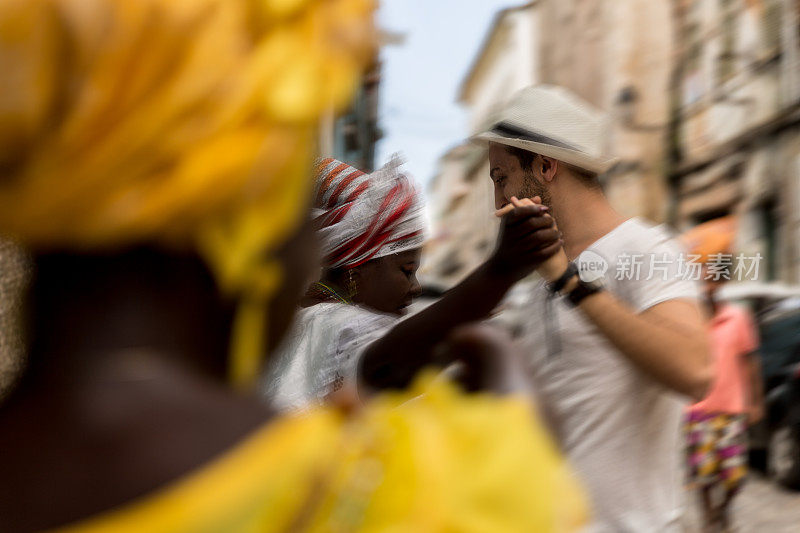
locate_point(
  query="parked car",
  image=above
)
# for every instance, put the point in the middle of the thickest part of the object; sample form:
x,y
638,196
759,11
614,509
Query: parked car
x,y
777,311
783,422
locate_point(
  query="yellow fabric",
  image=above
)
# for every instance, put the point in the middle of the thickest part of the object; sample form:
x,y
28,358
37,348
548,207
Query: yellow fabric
x,y
188,123
433,459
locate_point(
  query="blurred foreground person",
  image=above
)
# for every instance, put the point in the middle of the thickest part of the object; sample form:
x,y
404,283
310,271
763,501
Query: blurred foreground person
x,y
716,427
613,334
371,227
154,160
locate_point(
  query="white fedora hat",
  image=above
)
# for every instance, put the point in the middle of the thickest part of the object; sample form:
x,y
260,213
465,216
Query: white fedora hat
x,y
553,122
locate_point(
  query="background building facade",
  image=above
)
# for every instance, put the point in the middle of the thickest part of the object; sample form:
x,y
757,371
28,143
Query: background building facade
x,y
352,137
736,130
461,194
616,54
703,106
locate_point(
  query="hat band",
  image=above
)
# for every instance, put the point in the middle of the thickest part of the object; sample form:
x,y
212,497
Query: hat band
x,y
509,130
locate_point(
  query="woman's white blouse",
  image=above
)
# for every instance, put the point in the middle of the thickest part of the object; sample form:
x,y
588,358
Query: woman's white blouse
x,y
321,353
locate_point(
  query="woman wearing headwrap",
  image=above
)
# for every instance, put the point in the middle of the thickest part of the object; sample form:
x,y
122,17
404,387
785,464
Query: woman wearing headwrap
x,y
153,157
371,229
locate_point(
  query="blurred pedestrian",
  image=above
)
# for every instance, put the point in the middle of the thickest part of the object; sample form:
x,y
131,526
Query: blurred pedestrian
x,y
371,227
615,333
154,158
716,426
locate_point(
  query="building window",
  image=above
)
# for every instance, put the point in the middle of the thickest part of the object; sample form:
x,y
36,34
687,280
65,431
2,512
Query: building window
x,y
797,16
771,27
726,61
769,225
693,58
712,214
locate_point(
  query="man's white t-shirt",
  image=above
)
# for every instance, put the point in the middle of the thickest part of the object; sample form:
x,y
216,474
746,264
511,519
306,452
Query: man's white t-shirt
x,y
619,428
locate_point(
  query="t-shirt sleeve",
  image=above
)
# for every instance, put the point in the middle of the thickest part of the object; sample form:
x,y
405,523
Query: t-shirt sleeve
x,y
664,274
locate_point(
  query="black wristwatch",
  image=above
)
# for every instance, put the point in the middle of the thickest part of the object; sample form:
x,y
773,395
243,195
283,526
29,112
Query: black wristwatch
x,y
581,290
584,289
561,282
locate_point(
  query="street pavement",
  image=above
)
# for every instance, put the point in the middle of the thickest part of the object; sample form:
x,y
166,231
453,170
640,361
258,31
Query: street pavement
x,y
765,507
761,507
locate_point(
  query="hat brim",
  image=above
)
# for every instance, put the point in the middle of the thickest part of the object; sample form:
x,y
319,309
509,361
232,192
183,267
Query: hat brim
x,y
598,165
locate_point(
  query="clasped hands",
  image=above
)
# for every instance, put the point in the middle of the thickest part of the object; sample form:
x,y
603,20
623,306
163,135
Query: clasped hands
x,y
529,240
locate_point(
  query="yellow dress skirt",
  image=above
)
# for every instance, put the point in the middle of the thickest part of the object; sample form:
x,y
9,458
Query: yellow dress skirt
x,y
431,459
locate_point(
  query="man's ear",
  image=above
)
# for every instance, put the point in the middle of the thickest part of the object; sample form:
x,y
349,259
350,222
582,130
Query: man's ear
x,y
548,167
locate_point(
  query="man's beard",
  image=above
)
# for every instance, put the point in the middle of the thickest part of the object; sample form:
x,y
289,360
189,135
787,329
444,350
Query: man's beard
x,y
532,187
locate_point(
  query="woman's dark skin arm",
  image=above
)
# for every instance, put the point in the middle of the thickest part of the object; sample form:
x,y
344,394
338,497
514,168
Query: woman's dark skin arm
x,y
528,236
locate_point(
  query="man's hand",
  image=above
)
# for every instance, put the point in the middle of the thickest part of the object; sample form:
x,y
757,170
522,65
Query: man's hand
x,y
528,237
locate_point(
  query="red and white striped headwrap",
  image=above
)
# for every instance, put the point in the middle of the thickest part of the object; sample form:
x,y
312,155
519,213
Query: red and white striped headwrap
x,y
365,216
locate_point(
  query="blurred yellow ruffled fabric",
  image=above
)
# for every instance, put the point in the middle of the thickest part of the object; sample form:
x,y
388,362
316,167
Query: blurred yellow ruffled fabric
x,y
126,120
186,123
430,460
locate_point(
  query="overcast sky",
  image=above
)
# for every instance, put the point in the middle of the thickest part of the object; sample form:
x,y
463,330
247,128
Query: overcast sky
x,y
418,112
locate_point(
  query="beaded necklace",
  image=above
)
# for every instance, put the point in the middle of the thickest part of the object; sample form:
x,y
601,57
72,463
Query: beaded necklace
x,y
331,292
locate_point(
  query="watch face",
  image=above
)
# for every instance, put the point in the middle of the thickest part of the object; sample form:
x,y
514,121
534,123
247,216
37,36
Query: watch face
x,y
591,266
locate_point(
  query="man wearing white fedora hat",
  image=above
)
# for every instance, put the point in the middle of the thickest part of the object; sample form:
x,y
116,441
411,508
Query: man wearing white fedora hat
x,y
619,339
